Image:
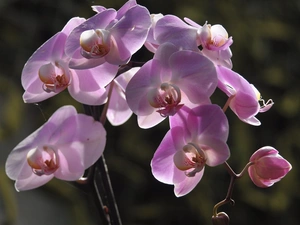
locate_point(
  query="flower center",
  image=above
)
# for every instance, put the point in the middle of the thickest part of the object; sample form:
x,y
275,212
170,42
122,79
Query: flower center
x,y
191,159
43,161
55,78
94,43
218,41
166,99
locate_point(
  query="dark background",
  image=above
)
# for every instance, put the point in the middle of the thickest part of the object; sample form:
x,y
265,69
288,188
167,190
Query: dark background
x,y
265,51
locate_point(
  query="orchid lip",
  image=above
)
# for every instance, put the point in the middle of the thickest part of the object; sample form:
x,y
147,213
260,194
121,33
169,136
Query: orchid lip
x,y
55,77
190,157
265,106
94,43
43,160
166,99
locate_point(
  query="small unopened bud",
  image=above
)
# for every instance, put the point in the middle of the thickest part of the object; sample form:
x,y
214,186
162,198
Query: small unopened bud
x,y
221,219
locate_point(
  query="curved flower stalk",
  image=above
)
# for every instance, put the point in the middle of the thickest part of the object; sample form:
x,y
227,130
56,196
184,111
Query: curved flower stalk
x,y
118,111
109,36
268,167
197,137
245,98
66,145
169,81
47,73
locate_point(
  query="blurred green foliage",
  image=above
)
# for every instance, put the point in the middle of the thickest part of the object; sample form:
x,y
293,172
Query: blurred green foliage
x,y
265,51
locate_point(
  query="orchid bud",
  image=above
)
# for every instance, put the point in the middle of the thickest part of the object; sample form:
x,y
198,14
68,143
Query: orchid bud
x,y
220,219
268,167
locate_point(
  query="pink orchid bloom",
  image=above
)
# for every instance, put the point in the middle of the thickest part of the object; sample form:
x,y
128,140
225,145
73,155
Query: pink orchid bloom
x,y
214,39
215,42
109,36
169,81
47,73
197,137
66,145
245,102
268,167
118,110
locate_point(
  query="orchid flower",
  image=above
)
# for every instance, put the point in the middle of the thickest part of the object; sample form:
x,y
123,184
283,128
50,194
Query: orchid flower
x,y
47,73
118,111
169,81
245,98
109,36
66,145
268,167
215,42
197,137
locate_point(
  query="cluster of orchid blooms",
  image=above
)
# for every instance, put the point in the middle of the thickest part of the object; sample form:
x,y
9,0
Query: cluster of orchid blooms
x,y
92,59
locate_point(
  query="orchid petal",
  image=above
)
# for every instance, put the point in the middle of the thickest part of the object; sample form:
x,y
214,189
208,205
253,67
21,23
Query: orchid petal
x,y
72,23
196,75
211,122
129,4
32,182
187,184
172,29
216,150
98,8
131,33
147,78
86,92
149,121
162,163
264,151
118,110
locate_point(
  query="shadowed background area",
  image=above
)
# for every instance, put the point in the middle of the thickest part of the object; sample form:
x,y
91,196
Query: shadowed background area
x,y
265,51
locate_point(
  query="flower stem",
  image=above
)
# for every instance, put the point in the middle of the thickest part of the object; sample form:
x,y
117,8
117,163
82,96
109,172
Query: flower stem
x,y
105,108
233,177
98,178
97,175
225,107
105,193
